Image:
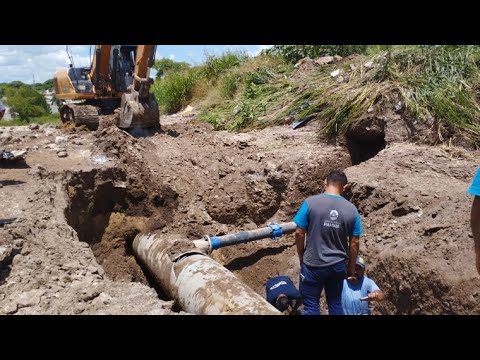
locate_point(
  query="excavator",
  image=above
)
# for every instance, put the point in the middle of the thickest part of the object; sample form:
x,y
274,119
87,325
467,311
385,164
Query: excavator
x,y
117,82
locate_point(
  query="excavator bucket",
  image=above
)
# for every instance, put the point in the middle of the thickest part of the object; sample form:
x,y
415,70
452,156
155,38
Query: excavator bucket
x,y
138,113
139,108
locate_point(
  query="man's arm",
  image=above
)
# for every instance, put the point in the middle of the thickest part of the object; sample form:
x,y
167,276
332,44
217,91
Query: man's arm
x,y
475,224
300,242
353,250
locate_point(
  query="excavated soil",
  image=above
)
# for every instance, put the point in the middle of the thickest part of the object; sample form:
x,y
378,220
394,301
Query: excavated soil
x,y
82,196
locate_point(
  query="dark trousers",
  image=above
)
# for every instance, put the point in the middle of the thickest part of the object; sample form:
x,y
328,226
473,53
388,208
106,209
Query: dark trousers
x,y
314,279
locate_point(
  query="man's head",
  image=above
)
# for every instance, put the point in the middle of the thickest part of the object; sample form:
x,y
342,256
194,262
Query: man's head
x,y
282,302
336,179
360,266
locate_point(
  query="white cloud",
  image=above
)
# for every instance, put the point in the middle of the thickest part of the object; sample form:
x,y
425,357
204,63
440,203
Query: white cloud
x,y
251,50
259,48
171,57
24,62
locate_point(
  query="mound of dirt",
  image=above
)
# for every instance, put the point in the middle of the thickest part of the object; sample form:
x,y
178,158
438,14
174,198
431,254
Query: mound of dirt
x,y
416,218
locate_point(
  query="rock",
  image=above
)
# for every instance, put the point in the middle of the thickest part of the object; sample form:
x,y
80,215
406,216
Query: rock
x,y
242,144
30,298
5,253
102,299
62,154
187,110
92,269
324,60
49,132
337,58
60,140
37,170
335,73
399,107
5,137
369,64
33,126
10,308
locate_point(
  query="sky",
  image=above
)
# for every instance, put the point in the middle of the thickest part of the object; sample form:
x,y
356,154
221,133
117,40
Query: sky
x,y
38,63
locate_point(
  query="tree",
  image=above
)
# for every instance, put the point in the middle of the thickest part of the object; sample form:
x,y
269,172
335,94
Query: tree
x,y
47,85
25,102
164,66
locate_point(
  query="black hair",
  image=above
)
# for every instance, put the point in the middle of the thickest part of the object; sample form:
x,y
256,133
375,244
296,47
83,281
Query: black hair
x,y
337,177
282,303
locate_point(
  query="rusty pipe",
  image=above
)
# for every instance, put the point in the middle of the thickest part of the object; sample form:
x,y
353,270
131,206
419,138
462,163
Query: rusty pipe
x,y
198,283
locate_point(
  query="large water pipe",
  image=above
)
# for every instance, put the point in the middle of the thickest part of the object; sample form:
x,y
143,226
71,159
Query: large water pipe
x,y
198,283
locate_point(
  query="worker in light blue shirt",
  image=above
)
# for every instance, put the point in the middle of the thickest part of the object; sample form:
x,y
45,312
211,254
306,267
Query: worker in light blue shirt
x,y
359,292
474,189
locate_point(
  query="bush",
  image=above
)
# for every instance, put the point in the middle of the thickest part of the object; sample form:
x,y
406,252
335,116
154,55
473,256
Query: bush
x,y
165,66
26,103
173,92
217,65
229,85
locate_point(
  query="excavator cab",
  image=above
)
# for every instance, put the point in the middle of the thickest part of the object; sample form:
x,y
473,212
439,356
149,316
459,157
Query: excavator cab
x,y
118,78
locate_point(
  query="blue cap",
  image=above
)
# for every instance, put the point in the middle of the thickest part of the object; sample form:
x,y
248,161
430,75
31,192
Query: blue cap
x,y
361,261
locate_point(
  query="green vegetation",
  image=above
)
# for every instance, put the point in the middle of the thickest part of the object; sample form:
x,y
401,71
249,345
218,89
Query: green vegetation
x,y
435,86
53,119
175,91
215,66
165,66
26,103
178,83
441,83
47,85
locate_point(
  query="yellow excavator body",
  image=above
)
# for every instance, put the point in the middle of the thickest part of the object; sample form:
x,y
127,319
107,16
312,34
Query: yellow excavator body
x,y
117,82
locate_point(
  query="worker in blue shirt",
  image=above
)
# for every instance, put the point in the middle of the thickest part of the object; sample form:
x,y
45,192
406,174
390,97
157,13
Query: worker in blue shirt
x,y
475,216
328,233
283,294
357,294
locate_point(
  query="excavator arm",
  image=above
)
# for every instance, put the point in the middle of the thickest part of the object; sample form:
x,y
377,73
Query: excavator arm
x,y
139,107
100,70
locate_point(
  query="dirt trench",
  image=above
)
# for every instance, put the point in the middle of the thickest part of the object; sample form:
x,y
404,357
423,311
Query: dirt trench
x,y
168,186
